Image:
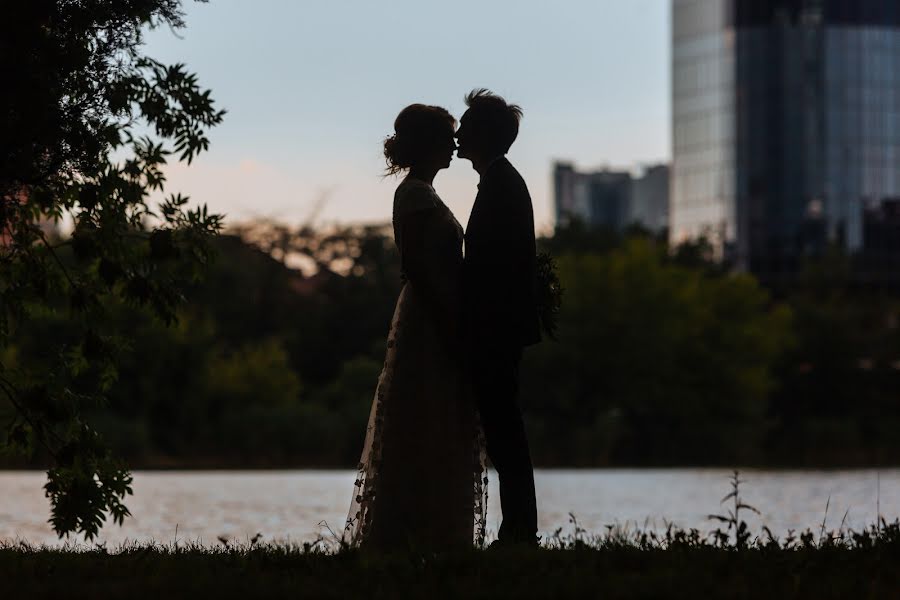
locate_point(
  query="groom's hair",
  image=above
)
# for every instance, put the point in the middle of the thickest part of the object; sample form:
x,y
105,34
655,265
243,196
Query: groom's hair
x,y
495,118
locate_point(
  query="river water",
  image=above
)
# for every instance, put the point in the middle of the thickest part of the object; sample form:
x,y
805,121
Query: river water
x,y
294,505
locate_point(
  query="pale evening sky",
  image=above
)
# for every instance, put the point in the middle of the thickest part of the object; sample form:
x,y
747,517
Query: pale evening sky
x,y
312,89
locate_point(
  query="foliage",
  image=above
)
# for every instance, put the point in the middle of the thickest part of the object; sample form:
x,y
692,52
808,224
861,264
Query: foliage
x,y
656,362
839,397
620,563
87,132
549,294
659,362
255,369
733,518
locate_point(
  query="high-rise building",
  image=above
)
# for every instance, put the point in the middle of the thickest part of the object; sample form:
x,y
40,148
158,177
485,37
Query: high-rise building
x,y
613,199
786,125
650,198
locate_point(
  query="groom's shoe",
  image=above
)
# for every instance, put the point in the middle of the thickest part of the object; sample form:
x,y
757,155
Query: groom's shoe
x,y
501,544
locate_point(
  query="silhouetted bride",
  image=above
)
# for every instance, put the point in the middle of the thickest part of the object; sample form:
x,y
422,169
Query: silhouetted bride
x,y
421,477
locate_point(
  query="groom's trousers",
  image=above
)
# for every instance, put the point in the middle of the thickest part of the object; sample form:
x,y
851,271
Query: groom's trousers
x,y
495,375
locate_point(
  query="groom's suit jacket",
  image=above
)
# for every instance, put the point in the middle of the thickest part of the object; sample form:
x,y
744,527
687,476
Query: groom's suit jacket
x,y
499,267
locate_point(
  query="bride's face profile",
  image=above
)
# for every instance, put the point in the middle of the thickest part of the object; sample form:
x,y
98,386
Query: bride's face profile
x,y
445,150
424,140
439,153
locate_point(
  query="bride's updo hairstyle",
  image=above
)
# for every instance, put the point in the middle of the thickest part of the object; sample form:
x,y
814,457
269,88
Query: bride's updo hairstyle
x,y
420,130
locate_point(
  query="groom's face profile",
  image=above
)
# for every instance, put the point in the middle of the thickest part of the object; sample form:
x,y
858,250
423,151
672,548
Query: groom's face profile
x,y
466,138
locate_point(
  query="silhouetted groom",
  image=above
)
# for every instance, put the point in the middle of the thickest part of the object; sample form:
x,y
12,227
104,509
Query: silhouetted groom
x,y
501,314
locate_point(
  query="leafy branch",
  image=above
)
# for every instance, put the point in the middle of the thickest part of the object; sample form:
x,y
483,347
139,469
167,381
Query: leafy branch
x,y
72,151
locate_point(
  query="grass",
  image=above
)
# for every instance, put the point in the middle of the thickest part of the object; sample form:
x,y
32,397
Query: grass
x,y
727,562
619,563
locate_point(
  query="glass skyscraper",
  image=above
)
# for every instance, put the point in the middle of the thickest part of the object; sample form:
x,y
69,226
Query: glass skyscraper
x,y
786,125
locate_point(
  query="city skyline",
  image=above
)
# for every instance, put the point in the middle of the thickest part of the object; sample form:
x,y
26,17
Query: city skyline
x,y
312,92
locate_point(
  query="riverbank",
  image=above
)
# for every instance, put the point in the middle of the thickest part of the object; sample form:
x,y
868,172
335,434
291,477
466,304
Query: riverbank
x,y
288,506
679,565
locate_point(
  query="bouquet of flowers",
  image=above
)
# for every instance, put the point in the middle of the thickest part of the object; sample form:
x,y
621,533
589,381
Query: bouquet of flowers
x,y
548,294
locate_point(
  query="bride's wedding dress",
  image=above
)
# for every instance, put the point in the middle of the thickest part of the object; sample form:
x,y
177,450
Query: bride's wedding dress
x,y
421,481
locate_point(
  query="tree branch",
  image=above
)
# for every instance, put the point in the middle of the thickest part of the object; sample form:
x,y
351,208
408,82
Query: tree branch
x,y
5,385
52,250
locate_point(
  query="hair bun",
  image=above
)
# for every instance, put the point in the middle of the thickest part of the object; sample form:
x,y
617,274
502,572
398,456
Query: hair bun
x,y
396,153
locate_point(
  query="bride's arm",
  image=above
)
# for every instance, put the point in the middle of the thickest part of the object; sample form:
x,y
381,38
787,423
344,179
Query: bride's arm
x,y
433,265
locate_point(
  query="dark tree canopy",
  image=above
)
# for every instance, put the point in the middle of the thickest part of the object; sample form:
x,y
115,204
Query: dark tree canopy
x,y
88,125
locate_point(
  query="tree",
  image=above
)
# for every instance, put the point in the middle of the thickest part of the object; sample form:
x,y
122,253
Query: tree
x,y
88,127
657,363
348,299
